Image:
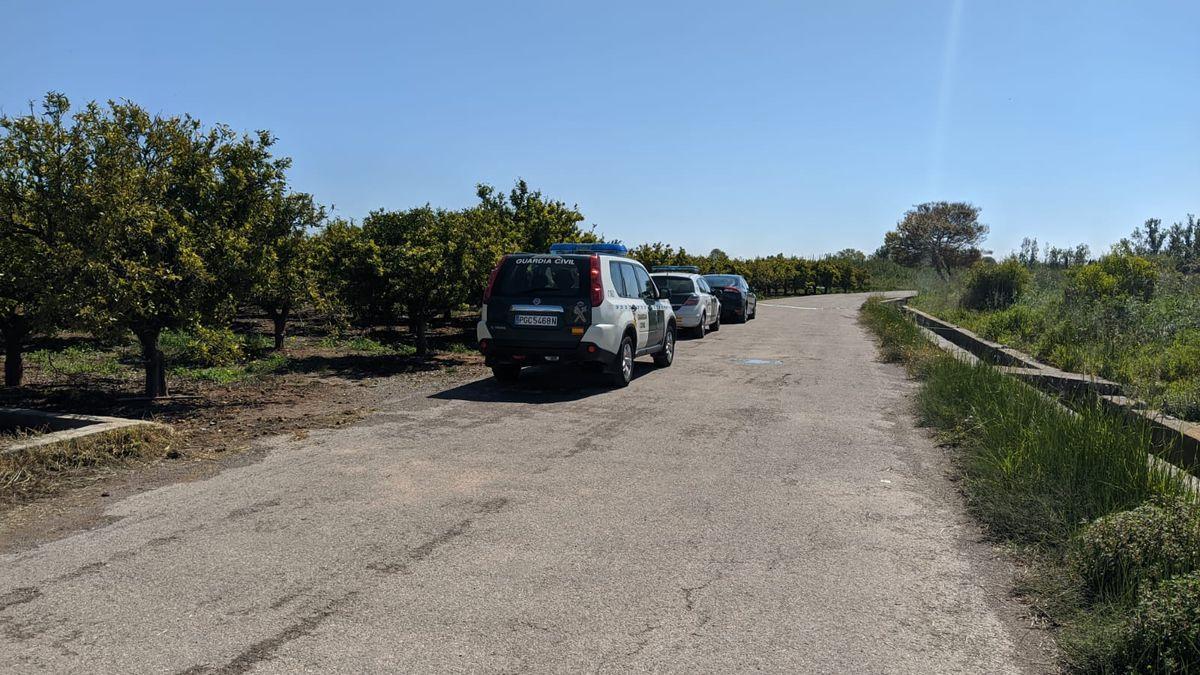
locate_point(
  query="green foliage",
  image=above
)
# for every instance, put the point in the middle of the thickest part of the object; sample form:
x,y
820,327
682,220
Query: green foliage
x,y
433,260
900,340
1116,273
76,361
284,276
531,220
769,275
944,235
229,374
203,346
1164,636
42,181
1122,551
995,286
1035,473
1088,319
1017,324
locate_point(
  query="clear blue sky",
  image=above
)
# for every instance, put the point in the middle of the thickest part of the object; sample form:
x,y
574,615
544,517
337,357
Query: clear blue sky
x,y
754,127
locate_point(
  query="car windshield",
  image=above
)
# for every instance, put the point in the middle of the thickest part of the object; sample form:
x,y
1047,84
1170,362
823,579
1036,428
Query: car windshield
x,y
541,275
674,285
721,280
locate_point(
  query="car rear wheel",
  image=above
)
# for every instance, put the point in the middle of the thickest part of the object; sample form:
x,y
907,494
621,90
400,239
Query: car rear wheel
x,y
701,328
622,368
665,357
507,373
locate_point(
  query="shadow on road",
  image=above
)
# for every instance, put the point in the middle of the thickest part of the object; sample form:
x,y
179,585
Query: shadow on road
x,y
539,384
358,367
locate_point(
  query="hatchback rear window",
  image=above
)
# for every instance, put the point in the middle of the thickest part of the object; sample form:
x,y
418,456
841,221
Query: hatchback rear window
x,y
674,285
722,280
542,275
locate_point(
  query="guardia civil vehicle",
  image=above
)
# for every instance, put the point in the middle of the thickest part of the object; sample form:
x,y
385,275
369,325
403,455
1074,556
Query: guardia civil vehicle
x,y
584,303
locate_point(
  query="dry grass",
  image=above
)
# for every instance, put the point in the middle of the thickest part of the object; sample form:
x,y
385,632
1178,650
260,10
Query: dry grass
x,y
44,469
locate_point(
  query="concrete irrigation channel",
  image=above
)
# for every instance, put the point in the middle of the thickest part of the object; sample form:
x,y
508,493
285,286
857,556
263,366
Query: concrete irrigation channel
x,y
47,428
766,503
1174,441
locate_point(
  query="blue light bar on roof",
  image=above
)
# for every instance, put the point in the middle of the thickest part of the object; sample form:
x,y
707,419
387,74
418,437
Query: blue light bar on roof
x,y
604,249
676,268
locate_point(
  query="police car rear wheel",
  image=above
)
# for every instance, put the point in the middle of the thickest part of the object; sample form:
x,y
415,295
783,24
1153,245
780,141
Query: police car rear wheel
x,y
506,372
702,328
666,356
623,364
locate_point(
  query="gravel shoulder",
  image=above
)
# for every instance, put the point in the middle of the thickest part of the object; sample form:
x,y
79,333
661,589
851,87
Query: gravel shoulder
x,y
782,514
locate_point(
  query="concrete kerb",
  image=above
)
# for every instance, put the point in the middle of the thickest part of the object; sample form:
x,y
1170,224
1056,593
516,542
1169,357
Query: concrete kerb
x,y
1175,440
61,426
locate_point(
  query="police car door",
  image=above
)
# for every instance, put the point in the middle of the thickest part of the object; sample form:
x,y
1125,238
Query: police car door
x,y
657,316
633,296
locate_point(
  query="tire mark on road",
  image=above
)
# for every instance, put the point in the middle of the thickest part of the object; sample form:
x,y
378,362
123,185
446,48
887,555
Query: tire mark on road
x,y
19,596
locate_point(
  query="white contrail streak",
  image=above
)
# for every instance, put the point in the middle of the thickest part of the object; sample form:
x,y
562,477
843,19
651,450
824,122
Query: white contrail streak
x,y
945,94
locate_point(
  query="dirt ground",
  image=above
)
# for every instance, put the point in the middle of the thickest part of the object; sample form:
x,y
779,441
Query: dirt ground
x,y
214,425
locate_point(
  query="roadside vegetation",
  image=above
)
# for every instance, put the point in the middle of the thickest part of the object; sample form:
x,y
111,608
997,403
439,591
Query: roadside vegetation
x,y
1112,540
43,469
1131,315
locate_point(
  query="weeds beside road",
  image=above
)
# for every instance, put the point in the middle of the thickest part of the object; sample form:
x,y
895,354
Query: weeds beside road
x,y
1056,485
1125,318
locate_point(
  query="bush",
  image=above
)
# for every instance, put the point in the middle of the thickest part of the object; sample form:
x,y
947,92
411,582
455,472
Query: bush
x,y
1164,636
1116,273
1135,275
202,347
1121,552
995,286
1017,324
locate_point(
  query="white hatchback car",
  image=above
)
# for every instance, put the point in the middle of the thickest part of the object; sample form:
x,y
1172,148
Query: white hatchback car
x,y
580,302
696,307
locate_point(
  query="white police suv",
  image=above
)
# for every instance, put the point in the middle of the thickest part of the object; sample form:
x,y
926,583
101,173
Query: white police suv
x,y
584,303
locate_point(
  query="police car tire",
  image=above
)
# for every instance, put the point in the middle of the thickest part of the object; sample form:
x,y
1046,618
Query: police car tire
x,y
716,324
701,329
507,373
620,376
666,356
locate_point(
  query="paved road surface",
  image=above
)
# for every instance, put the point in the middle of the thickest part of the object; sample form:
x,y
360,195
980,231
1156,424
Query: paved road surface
x,y
716,516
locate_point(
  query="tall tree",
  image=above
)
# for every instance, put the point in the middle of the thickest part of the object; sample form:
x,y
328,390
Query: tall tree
x,y
42,165
175,207
943,234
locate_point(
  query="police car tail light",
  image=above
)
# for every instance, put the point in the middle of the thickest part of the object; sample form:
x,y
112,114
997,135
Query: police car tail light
x,y
487,292
692,299
597,282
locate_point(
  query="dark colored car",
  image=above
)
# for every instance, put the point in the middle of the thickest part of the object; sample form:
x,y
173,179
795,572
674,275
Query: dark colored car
x,y
738,302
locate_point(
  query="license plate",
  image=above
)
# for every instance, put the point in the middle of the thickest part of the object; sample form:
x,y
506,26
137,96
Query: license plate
x,y
535,320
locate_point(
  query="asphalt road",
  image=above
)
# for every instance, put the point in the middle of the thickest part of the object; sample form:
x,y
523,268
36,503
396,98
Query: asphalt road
x,y
781,514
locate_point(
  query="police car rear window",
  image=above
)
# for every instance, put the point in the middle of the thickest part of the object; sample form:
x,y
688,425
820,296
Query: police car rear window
x,y
675,285
549,276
